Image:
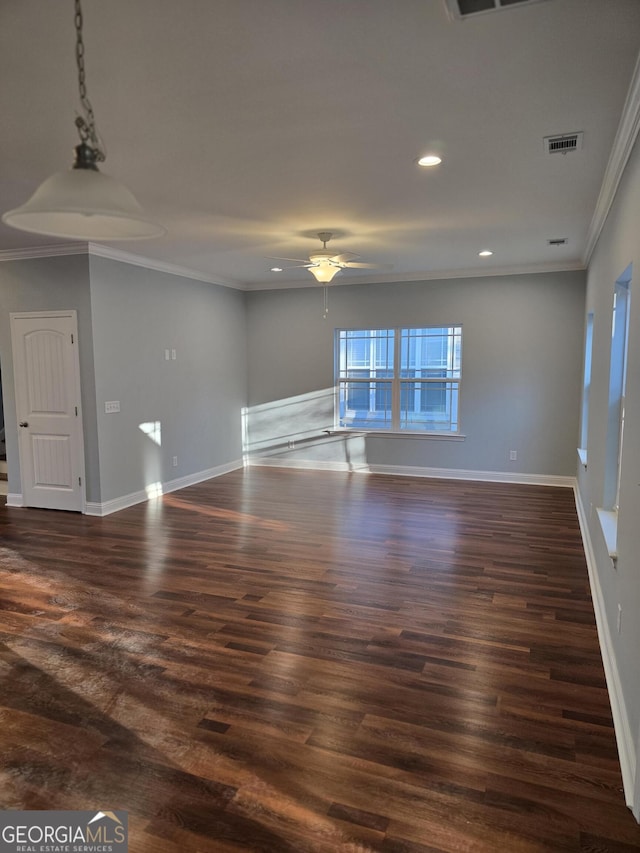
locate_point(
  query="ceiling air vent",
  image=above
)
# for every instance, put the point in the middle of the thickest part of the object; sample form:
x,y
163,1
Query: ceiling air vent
x,y
563,143
461,9
557,241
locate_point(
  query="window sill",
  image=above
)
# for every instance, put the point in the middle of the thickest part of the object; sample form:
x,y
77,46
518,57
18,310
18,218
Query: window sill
x,y
609,523
582,456
443,436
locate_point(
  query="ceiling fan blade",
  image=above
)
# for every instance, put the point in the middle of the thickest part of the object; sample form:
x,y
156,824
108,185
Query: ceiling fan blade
x,y
300,260
344,257
360,266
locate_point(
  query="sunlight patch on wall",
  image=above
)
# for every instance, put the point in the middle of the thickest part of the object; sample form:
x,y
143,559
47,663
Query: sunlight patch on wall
x,y
153,430
354,452
300,430
286,424
244,431
154,490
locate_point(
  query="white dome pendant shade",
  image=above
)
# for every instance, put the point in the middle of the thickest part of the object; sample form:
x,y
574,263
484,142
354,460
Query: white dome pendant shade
x,y
83,204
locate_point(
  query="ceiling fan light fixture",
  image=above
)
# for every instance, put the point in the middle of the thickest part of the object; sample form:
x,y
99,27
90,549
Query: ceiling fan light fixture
x,y
324,265
324,273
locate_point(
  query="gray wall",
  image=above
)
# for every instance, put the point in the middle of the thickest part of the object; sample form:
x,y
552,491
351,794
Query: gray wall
x,y
127,317
197,400
617,247
49,284
521,368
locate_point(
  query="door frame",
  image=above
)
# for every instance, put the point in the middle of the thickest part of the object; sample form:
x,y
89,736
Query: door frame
x,y
72,315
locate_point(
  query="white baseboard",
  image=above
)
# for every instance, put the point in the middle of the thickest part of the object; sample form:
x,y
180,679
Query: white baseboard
x,y
117,504
412,471
114,505
281,462
15,499
201,476
462,474
622,727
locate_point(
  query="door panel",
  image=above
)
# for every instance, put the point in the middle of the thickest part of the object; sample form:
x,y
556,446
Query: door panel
x,y
52,461
46,368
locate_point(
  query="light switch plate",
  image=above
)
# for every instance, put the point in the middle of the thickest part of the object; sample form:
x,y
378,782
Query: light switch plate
x,y
111,406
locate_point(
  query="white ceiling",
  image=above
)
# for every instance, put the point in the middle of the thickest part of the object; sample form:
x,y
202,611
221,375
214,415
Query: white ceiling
x,y
246,126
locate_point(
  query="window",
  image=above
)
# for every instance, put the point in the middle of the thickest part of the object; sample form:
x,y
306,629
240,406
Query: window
x,y
617,381
586,387
608,513
399,380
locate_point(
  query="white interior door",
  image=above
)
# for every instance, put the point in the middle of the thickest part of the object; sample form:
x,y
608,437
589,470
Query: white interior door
x,y
47,381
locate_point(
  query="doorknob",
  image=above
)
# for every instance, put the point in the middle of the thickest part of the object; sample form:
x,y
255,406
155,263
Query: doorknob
x,y
24,424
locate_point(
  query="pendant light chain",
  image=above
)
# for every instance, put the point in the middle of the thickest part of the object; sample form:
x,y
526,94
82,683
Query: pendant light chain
x,y
86,124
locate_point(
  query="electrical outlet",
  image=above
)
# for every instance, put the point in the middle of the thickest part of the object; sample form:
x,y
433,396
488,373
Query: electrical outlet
x,y
173,355
111,406
513,455
174,461
167,355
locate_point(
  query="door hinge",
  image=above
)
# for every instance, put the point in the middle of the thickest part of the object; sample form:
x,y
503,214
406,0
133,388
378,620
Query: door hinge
x,y
76,411
72,341
79,481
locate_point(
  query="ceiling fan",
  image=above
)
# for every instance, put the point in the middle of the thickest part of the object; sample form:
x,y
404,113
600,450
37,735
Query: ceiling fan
x,y
324,265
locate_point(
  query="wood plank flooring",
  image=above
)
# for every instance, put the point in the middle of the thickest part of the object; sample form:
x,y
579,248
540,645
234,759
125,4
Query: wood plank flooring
x,y
308,662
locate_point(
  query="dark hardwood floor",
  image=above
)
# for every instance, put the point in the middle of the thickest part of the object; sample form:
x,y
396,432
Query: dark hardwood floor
x,y
296,661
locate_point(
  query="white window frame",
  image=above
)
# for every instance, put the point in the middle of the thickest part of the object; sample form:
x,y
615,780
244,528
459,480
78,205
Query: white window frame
x,y
396,382
617,383
608,513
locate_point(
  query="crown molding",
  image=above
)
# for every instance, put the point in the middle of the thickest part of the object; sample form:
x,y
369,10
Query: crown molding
x,y
109,253
427,275
622,147
102,251
55,251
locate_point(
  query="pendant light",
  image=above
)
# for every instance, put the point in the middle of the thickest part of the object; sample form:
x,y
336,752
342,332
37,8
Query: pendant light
x,y
82,203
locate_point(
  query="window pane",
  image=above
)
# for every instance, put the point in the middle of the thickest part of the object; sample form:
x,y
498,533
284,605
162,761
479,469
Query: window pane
x,y
586,388
365,405
429,406
431,352
369,350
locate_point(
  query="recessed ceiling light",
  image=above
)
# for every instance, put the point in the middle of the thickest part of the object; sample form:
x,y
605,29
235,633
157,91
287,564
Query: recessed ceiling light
x,y
276,269
429,160
485,253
